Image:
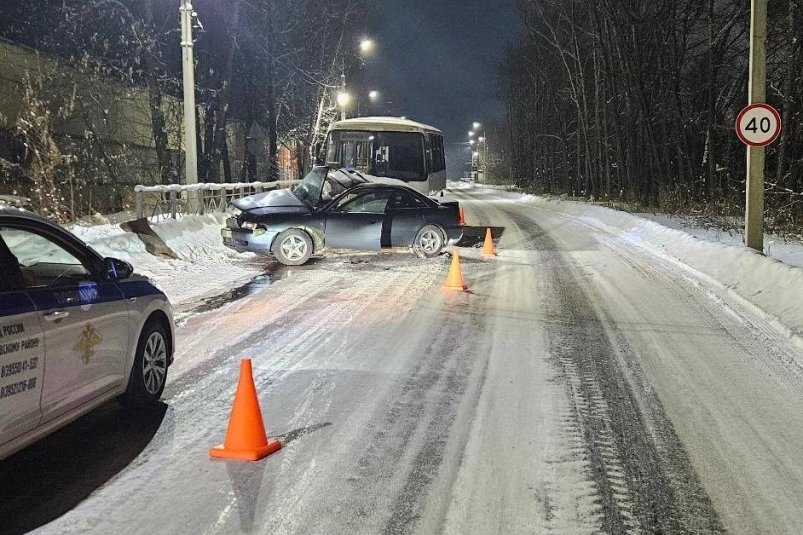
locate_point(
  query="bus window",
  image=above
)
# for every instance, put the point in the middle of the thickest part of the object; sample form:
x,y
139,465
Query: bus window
x,y
350,149
400,155
438,161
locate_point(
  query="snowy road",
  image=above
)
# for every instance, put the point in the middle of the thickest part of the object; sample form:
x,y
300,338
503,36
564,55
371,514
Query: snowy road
x,y
584,385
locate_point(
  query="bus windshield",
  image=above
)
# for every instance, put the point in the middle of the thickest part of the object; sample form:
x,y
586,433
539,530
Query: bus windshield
x,y
398,155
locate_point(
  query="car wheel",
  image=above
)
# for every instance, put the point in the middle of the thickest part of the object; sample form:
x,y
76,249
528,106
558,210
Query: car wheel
x,y
429,242
293,247
149,373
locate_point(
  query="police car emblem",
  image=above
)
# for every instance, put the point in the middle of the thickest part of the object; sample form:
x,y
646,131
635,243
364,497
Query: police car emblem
x,y
86,344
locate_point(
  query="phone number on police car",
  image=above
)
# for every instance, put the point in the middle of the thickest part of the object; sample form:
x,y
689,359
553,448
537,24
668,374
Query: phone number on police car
x,y
19,367
17,388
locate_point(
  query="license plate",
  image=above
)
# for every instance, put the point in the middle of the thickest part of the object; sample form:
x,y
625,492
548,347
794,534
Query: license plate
x,y
228,239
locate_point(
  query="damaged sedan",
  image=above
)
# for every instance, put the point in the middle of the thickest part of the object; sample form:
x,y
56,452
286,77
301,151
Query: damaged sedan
x,y
340,209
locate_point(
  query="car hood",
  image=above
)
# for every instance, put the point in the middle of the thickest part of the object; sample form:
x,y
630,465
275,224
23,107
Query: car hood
x,y
276,201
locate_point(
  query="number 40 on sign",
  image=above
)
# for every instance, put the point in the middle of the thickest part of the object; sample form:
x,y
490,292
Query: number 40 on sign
x,y
758,125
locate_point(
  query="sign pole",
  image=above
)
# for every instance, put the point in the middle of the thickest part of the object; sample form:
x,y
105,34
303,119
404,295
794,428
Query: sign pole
x,y
754,212
188,68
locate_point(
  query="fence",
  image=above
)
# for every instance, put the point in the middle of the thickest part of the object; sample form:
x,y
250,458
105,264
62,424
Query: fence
x,y
161,202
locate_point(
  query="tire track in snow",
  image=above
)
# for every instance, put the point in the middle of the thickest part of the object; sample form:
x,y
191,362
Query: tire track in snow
x,y
637,485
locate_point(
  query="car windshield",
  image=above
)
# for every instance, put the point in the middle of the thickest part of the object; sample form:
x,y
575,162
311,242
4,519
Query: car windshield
x,y
309,189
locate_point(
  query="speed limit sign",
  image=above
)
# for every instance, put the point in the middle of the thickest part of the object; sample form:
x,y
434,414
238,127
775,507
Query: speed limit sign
x,y
758,125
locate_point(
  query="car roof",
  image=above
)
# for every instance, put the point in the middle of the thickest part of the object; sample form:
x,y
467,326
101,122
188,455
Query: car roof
x,y
367,186
17,213
379,185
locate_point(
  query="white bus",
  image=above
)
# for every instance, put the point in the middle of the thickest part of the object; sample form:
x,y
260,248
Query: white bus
x,y
389,147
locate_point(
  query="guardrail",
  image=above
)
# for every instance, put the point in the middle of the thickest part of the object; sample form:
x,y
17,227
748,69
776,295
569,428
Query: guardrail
x,y
161,202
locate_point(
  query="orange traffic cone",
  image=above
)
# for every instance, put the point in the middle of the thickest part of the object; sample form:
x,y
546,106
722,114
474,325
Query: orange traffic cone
x,y
462,219
245,438
455,279
488,249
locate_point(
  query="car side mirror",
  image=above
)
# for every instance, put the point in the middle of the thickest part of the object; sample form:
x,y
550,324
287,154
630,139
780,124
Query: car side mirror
x,y
117,269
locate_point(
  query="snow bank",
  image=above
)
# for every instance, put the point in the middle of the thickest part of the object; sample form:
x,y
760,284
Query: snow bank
x,y
204,267
770,287
788,251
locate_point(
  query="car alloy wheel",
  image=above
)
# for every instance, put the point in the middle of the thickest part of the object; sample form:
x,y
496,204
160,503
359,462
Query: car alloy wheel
x,y
149,371
154,363
294,248
429,242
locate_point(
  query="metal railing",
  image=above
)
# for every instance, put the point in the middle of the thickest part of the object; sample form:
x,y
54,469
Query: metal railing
x,y
173,200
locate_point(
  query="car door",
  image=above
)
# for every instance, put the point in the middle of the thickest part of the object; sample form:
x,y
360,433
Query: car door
x,y
403,219
21,353
356,220
84,318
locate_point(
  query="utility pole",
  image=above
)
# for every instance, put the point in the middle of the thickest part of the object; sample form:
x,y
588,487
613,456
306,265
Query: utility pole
x,y
757,88
343,92
188,67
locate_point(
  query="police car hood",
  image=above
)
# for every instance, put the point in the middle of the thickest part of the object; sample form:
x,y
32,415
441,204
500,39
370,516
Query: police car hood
x,y
280,199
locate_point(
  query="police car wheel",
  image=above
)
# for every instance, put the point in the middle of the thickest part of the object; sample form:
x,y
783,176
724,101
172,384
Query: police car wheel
x,y
149,373
293,247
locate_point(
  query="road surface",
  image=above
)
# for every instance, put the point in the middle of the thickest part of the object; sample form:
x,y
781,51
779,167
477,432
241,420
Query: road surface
x,y
583,385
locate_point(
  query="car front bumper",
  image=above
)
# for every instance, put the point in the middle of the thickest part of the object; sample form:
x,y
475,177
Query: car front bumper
x,y
247,241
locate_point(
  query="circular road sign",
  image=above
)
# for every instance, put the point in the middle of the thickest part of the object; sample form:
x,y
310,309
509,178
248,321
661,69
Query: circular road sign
x,y
758,125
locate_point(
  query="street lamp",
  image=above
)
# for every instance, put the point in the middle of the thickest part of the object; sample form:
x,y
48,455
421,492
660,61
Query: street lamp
x,y
373,95
471,134
188,68
477,125
367,46
343,99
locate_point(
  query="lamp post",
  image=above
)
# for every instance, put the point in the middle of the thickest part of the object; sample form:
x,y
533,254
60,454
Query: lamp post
x,y
484,141
482,156
188,68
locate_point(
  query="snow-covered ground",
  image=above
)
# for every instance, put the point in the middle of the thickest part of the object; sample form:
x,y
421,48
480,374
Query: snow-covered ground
x,y
204,265
770,285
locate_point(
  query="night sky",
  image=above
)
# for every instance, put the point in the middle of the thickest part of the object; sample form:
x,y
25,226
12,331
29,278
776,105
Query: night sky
x,y
437,60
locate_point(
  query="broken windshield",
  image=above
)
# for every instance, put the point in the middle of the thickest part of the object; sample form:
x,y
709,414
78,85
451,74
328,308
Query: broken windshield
x,y
309,189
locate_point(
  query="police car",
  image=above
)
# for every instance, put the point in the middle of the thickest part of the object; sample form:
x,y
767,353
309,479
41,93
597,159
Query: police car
x,y
76,330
